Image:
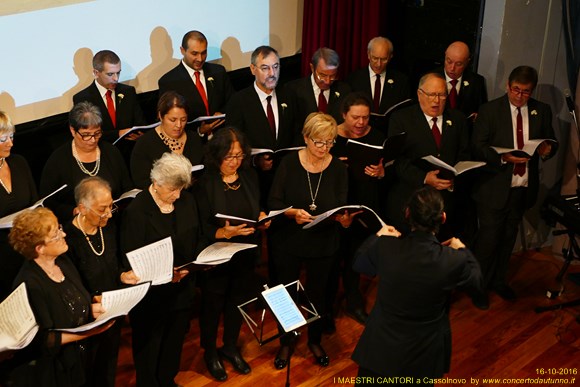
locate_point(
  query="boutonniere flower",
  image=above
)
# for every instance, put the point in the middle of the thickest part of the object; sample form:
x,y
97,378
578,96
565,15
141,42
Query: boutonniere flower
x,y
449,123
120,96
390,81
210,79
465,83
534,112
284,106
337,94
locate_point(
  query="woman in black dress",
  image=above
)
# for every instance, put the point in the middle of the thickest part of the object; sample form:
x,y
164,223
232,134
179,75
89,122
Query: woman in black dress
x,y
58,300
92,242
161,320
84,156
17,191
170,136
228,187
312,182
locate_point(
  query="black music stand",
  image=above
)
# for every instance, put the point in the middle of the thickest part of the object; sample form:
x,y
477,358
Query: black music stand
x,y
299,300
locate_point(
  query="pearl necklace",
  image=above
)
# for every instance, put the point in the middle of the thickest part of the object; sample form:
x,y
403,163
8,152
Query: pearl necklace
x,y
88,239
2,161
95,170
164,208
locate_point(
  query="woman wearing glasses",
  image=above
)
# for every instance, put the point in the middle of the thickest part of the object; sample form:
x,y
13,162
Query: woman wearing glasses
x,y
312,182
228,187
92,242
17,191
170,136
84,156
58,299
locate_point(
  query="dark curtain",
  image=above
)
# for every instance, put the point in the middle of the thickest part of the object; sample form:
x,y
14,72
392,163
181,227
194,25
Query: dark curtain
x,y
346,26
571,22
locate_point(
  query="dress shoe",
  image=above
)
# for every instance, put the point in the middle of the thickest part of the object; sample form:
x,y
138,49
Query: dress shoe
x,y
236,359
282,357
505,292
358,315
215,367
481,301
318,352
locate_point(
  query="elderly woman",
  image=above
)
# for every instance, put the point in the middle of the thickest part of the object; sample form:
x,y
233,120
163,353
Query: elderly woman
x,y
17,191
312,182
92,241
84,156
161,320
230,187
58,299
169,136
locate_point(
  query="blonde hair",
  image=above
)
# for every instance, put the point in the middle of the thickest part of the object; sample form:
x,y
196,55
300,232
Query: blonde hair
x,y
319,125
6,126
30,229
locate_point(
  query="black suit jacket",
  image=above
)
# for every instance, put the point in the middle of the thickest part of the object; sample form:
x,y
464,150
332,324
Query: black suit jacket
x,y
303,93
245,112
218,88
127,111
472,92
494,127
393,92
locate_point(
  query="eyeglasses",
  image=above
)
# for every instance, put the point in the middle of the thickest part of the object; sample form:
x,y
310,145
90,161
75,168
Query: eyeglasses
x,y
325,77
3,139
518,91
239,157
433,96
111,211
376,59
321,144
87,137
59,235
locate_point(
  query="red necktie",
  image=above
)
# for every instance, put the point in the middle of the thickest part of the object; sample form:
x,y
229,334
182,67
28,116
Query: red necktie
x,y
436,132
111,107
201,91
453,94
322,104
520,169
377,96
270,114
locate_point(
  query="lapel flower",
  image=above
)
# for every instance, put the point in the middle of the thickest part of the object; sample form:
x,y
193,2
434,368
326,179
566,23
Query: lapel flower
x,y
449,123
120,96
284,106
534,112
337,94
210,79
465,83
390,81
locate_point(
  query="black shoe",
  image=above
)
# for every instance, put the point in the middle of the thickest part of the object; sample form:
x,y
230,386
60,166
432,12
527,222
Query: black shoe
x,y
282,357
358,315
505,292
237,361
215,367
318,352
481,302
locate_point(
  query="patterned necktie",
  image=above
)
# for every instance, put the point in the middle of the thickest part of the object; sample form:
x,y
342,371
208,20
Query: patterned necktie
x,y
453,94
270,114
377,96
111,107
520,169
322,104
436,132
201,91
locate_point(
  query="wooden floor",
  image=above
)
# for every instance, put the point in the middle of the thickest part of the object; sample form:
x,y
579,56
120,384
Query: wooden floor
x,y
508,341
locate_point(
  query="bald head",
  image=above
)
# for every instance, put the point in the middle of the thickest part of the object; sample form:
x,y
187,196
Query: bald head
x,y
456,59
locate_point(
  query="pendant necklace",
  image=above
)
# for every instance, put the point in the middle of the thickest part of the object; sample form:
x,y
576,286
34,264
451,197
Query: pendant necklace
x,y
2,161
312,206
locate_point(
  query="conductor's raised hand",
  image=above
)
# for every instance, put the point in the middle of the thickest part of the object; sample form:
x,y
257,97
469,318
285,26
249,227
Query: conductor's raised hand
x,y
437,183
388,230
454,243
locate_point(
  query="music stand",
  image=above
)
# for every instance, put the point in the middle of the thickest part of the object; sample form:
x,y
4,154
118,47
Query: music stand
x,y
290,313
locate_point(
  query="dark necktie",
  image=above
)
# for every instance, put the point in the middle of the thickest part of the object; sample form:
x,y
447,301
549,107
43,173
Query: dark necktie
x,y
377,96
436,132
520,169
201,91
322,104
111,107
453,94
270,114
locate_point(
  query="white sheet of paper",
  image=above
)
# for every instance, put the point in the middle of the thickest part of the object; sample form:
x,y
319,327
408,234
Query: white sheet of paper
x,y
17,323
153,262
129,194
6,222
220,252
284,308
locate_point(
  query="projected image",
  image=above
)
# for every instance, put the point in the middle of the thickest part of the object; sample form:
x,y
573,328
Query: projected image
x,y
9,7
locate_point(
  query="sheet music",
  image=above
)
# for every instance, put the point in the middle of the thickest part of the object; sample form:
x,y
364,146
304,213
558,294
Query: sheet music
x,y
197,167
116,303
221,252
153,262
129,194
208,118
17,323
134,128
250,222
6,222
284,308
329,213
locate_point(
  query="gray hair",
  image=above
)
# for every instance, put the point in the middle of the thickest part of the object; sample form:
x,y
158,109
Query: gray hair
x,y
6,126
329,55
88,189
84,115
171,170
425,77
262,51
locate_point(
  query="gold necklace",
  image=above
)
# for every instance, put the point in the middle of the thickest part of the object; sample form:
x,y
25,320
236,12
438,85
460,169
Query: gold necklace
x,y
234,185
50,273
88,240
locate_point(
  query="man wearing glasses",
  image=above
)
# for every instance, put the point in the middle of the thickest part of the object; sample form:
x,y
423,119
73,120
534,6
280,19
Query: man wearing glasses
x,y
508,184
321,91
432,129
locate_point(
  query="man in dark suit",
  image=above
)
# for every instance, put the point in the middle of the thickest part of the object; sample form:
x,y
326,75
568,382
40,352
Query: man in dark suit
x,y
205,86
320,92
431,130
508,184
393,85
117,102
